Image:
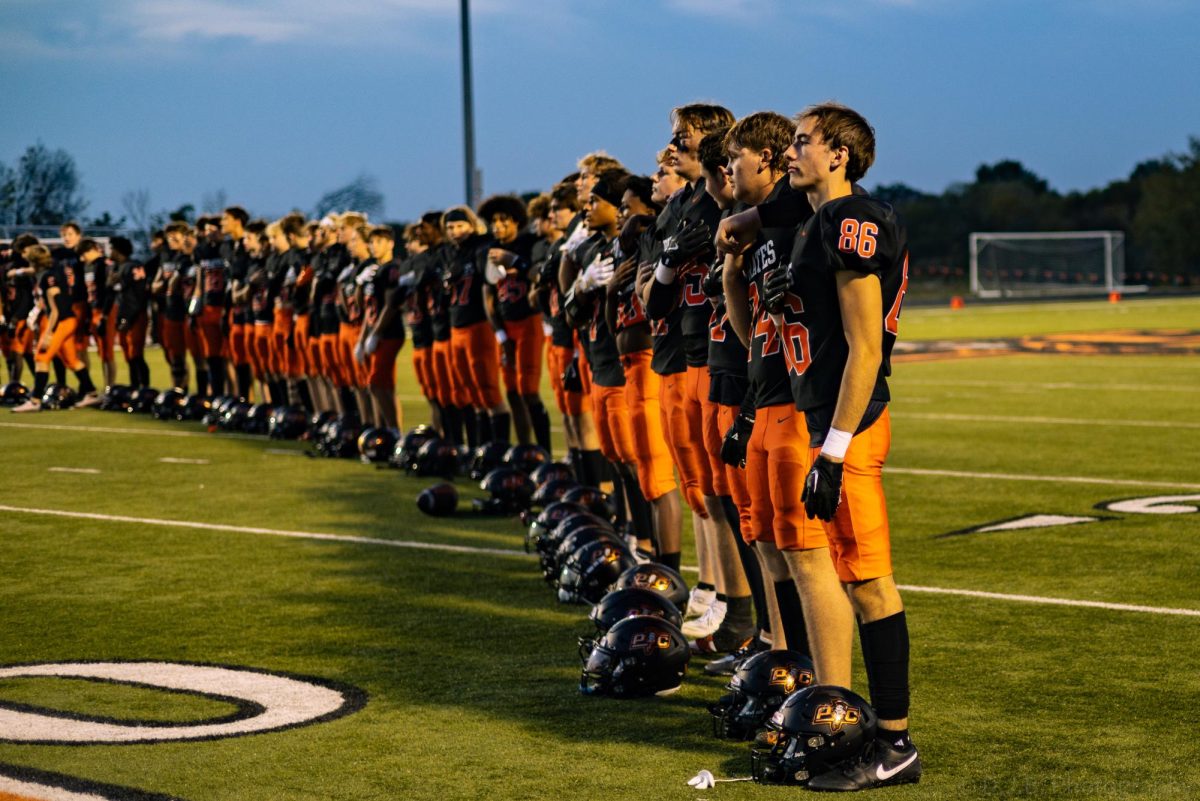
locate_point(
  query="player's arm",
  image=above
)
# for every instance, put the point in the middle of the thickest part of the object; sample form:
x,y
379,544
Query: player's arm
x,y
737,297
51,318
861,302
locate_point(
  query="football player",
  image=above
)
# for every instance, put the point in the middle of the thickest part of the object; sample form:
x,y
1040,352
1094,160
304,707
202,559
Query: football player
x,y
132,299
99,297
383,328
835,312
56,330
207,307
18,304
233,252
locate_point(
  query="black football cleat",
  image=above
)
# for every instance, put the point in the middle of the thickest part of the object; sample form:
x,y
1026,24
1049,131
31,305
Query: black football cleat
x,y
728,665
886,766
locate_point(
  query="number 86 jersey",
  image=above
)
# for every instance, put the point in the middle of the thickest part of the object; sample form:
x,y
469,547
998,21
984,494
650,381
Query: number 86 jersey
x,y
860,235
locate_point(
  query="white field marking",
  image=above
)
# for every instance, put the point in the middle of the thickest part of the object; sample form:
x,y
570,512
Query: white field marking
x,y
151,432
43,792
282,452
90,471
933,382
1053,421
177,460
1035,521
273,532
433,546
1022,308
1108,482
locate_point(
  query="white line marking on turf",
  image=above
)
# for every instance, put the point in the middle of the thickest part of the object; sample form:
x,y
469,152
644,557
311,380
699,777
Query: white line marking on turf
x,y
43,792
153,432
176,460
1054,421
91,471
1039,599
282,452
1110,482
934,382
435,546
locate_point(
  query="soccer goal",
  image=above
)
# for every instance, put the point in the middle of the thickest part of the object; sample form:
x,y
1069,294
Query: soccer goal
x,y
1005,265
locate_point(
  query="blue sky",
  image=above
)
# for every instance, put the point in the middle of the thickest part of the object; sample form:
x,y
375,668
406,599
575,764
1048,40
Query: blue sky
x,y
277,101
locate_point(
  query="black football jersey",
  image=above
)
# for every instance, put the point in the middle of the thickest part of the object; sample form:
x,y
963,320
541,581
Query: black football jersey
x,y
767,368
512,291
599,342
857,234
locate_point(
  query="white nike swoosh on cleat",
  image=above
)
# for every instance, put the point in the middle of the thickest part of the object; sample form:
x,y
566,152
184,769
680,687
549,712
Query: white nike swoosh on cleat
x,y
884,775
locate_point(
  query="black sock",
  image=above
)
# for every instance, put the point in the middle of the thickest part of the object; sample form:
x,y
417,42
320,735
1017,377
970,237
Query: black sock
x,y
640,516
349,402
29,362
452,424
539,418
885,651
40,380
738,614
216,375
704,585
471,423
791,614
671,560
85,381
749,564
896,738
305,396
501,423
60,371
201,382
179,377
595,468
575,459
244,380
618,497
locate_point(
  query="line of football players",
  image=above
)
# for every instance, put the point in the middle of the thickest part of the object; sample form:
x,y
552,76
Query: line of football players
x,y
718,339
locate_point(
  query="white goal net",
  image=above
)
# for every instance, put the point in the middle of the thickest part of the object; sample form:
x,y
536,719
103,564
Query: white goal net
x,y
1047,263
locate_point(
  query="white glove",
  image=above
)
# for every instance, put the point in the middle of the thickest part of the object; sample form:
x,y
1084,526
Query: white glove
x,y
702,780
493,272
32,319
370,344
598,274
576,238
358,352
367,275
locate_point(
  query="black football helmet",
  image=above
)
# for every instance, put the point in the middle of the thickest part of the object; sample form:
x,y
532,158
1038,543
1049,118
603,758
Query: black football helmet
x,y
196,407
258,419
588,572
233,418
436,457
620,604
376,445
510,489
544,523
440,500
758,688
639,656
59,396
548,546
526,458
592,499
551,491
287,422
578,538
115,398
318,424
404,455
551,471
660,578
166,403
13,394
486,458
816,730
141,400
341,438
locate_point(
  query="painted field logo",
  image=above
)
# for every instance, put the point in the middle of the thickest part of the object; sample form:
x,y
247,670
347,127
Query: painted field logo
x,y
264,702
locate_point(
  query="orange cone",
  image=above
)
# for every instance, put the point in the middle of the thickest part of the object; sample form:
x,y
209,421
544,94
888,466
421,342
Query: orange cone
x,y
956,302
1114,297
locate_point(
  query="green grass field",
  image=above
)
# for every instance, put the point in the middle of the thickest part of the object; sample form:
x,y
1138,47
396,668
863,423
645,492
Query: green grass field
x,y
470,667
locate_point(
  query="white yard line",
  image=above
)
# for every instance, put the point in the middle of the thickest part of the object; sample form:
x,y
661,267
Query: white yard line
x,y
433,546
1108,482
1020,385
90,471
1033,420
150,432
177,460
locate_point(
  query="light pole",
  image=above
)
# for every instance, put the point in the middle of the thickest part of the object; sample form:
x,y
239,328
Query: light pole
x,y
472,185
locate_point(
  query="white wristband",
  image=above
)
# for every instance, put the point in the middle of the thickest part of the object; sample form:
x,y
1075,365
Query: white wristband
x,y
664,274
501,337
836,443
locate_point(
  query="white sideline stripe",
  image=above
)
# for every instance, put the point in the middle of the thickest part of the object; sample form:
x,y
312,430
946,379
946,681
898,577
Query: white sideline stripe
x,y
152,432
91,471
1110,482
1039,599
934,382
433,546
1054,421
177,460
282,452
303,535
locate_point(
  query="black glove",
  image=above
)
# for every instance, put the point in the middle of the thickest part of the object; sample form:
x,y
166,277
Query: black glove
x,y
713,285
776,285
823,489
733,447
571,378
688,242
